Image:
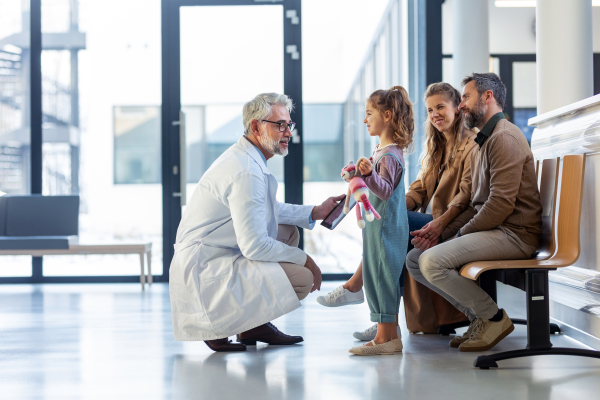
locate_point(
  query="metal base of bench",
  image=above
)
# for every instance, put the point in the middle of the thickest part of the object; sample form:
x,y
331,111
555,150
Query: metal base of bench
x,y
538,325
489,361
142,249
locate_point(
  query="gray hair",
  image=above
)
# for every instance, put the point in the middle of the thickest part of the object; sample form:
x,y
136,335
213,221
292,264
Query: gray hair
x,y
259,108
488,81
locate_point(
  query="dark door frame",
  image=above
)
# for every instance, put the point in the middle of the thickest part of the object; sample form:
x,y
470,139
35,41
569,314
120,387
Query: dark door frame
x,y
171,105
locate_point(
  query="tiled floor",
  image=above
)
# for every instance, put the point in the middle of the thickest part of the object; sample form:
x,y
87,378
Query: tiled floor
x,y
114,341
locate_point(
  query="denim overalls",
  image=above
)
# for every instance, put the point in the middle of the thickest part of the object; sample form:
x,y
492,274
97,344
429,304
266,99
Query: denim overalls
x,y
384,252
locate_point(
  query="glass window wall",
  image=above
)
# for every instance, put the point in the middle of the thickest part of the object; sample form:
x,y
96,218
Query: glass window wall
x,y
334,110
101,126
524,95
15,119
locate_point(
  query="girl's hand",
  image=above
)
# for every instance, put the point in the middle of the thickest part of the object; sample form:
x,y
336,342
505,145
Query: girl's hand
x,y
364,166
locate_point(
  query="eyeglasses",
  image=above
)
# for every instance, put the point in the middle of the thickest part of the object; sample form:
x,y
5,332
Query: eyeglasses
x,y
282,125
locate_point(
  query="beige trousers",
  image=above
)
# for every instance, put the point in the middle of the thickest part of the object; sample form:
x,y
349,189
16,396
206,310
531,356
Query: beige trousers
x,y
438,268
300,277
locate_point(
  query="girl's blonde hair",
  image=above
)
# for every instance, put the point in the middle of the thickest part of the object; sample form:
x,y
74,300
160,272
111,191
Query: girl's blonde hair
x,y
435,141
397,102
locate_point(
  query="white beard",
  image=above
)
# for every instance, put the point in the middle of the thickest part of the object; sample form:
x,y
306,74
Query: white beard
x,y
272,146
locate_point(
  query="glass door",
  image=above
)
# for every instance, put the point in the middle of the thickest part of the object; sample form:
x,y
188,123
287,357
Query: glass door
x,y
220,73
217,55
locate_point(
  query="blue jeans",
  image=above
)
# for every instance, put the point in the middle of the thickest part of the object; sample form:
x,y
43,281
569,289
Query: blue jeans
x,y
416,220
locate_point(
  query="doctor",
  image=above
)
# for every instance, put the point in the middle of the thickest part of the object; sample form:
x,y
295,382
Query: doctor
x,y
237,265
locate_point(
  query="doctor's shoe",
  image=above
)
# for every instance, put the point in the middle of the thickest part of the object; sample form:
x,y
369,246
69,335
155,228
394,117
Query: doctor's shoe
x,y
369,333
341,297
224,345
486,334
269,334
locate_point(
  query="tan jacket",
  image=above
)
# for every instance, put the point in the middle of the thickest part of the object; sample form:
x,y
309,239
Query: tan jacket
x,y
453,185
504,190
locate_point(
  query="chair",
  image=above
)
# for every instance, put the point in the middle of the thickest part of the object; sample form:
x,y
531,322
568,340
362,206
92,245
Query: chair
x,y
532,275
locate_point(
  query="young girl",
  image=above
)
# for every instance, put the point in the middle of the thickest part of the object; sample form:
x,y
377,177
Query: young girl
x,y
390,117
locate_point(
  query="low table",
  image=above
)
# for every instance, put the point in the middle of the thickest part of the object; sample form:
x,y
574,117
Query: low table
x,y
143,249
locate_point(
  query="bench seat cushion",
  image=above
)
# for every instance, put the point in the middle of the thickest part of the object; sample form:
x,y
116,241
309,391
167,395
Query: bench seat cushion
x,y
36,242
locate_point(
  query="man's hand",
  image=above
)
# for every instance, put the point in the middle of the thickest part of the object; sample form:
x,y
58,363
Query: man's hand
x,y
320,212
431,230
316,271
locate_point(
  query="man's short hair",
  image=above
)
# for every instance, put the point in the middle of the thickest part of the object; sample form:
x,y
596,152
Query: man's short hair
x,y
259,108
488,81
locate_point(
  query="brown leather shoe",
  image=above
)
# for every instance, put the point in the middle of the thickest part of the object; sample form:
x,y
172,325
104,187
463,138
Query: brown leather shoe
x,y
267,333
224,345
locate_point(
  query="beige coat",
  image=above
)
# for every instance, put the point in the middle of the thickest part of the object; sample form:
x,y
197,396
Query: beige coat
x,y
424,309
453,185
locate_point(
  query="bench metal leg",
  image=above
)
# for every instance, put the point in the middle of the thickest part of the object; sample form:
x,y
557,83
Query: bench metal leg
x,y
143,273
149,261
538,326
485,362
554,329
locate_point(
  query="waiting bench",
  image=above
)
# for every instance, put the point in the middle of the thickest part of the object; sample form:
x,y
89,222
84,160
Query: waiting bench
x,y
36,225
559,248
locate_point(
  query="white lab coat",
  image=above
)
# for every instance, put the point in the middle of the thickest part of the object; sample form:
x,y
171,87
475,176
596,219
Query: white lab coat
x,y
225,277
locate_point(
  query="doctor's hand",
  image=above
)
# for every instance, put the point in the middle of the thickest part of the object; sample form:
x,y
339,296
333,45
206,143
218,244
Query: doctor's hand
x,y
316,271
320,212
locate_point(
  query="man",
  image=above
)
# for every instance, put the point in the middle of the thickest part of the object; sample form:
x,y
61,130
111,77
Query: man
x,y
237,265
503,220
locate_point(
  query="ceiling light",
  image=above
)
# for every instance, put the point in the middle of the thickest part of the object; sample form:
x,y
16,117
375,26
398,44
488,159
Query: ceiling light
x,y
528,3
515,3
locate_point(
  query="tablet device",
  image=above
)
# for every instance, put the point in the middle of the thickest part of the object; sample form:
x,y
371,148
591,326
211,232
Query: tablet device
x,y
337,214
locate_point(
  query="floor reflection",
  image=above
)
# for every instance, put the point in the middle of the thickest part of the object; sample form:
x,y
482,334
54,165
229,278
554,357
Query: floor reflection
x,y
257,373
114,341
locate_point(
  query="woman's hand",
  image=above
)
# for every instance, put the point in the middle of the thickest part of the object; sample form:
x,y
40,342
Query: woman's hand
x,y
424,244
364,166
429,235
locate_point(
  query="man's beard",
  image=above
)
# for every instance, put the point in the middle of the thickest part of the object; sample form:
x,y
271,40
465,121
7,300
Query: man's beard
x,y
272,145
475,115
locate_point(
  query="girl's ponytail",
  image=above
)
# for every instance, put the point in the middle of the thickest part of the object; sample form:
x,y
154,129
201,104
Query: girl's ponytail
x,y
397,102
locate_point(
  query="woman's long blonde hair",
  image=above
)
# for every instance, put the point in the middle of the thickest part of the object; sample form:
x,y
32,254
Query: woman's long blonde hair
x,y
435,141
397,102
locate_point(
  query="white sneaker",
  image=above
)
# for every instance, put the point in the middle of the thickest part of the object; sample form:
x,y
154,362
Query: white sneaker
x,y
341,297
386,348
369,333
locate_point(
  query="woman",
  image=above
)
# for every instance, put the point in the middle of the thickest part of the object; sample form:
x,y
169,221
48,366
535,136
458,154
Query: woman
x,y
440,193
